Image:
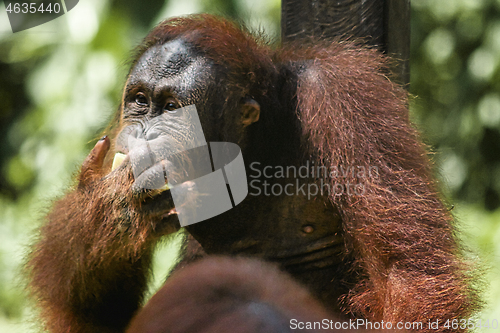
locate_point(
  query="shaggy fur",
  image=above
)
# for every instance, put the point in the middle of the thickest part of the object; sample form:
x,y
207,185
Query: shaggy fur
x,y
399,230
89,267
228,295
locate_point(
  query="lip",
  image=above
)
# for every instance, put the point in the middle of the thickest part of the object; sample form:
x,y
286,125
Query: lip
x,y
119,161
152,179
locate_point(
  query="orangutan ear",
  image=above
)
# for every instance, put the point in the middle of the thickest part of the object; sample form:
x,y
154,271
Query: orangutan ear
x,y
250,111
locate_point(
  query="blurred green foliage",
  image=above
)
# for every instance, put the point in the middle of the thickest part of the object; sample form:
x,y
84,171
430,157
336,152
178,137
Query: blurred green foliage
x,y
455,78
455,74
60,83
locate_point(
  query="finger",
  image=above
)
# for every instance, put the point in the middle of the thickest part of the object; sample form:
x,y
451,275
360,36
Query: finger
x,y
92,166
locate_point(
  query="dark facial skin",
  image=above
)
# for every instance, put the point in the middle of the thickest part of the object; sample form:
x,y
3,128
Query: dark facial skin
x,y
165,78
389,253
293,230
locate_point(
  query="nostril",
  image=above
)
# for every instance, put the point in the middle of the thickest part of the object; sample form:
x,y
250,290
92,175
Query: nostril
x,y
135,133
152,135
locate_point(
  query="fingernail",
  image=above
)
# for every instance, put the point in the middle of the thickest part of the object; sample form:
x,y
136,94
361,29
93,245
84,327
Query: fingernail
x,y
104,137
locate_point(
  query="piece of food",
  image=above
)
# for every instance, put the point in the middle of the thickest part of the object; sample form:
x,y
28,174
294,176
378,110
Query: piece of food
x,y
164,188
118,160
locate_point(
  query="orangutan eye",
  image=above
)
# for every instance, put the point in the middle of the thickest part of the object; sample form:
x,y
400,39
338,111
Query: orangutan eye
x,y
141,99
171,106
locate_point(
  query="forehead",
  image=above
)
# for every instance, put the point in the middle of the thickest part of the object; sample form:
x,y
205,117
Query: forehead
x,y
174,60
170,57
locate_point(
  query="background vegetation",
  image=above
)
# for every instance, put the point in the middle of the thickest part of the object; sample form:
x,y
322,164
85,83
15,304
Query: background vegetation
x,y
60,82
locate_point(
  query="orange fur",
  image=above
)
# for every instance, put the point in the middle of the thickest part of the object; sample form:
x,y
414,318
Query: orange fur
x,y
90,264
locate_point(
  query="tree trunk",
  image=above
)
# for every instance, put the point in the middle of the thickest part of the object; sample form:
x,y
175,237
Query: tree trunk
x,y
383,23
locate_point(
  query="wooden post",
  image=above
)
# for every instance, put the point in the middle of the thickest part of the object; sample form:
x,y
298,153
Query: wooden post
x,y
384,23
